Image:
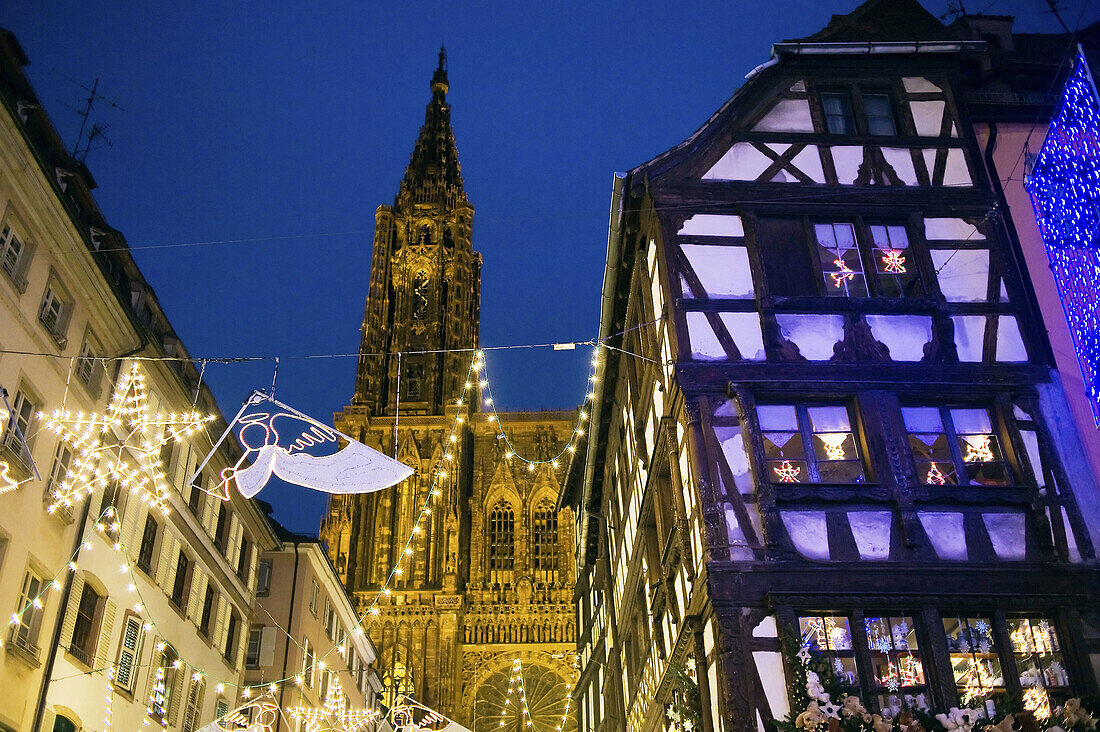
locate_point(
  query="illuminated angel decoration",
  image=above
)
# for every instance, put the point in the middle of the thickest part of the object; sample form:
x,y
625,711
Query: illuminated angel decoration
x,y
107,444
842,274
282,443
410,716
893,261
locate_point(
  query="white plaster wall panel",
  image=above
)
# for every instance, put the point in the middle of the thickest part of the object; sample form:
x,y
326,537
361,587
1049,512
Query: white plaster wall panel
x,y
945,531
769,667
809,162
704,343
969,336
1071,539
766,628
963,274
1031,444
788,115
956,172
904,335
901,160
918,84
1006,533
815,335
737,457
727,408
846,161
871,530
1010,344
713,225
808,533
685,288
741,162
929,161
723,270
951,229
928,117
1003,293
740,551
747,334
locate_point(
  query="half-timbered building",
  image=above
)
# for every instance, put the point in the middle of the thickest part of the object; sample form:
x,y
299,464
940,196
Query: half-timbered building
x,y
829,423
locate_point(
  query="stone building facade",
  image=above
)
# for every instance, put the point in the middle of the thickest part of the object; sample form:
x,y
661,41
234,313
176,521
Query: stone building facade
x,y
489,579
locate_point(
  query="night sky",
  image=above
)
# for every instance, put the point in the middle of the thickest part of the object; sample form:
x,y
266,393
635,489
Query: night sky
x,y
285,124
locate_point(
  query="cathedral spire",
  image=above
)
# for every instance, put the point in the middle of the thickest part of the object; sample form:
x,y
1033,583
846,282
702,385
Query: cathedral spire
x,y
434,175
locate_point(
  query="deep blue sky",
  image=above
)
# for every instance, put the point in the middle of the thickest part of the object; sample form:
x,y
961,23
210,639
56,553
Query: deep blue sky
x,y
291,119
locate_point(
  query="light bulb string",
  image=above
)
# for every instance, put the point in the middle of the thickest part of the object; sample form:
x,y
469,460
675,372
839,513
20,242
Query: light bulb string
x,y
578,429
54,582
517,676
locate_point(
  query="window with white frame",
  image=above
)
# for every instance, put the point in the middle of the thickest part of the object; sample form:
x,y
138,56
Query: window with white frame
x,y
62,463
255,640
954,446
87,363
29,610
23,411
54,311
314,591
810,444
14,255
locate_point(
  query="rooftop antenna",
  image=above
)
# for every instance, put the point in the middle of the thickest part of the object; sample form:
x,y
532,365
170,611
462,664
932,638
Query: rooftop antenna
x,y
84,145
955,9
1055,9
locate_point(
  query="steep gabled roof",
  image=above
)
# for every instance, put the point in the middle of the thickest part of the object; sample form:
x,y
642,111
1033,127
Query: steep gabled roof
x,y
883,21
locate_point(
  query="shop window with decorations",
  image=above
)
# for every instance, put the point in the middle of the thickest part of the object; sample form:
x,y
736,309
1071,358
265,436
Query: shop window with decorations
x,y
952,446
895,661
975,661
830,637
810,444
1038,654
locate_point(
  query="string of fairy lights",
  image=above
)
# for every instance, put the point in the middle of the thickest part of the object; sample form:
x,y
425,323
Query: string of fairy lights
x,y
84,432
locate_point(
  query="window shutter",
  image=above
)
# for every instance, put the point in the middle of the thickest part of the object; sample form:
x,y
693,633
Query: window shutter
x,y
253,560
107,625
165,560
154,664
786,253
210,516
233,552
219,626
242,642
178,676
48,717
129,648
69,623
129,526
198,593
267,646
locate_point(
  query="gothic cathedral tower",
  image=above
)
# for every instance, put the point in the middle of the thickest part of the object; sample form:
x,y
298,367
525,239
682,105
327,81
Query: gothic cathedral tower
x,y
489,578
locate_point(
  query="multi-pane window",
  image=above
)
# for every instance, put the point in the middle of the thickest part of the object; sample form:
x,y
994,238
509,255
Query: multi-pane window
x,y
841,119
148,543
872,260
194,501
809,444
221,530
263,577
23,410
314,591
955,445
28,613
895,658
128,652
180,585
207,611
544,541
86,365
975,663
84,629
52,312
831,637
255,639
62,463
244,559
307,662
502,541
11,251
1038,654
230,651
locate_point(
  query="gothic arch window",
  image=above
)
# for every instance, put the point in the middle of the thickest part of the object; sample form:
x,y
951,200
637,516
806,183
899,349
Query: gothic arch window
x,y
398,679
420,295
544,541
502,542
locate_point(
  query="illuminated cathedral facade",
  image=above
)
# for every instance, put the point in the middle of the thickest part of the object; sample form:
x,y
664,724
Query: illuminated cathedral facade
x,y
490,577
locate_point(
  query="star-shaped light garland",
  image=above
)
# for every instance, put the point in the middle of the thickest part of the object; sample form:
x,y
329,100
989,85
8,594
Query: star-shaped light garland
x,y
101,453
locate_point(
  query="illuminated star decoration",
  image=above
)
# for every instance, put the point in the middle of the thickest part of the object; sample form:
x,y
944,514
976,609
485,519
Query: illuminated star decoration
x,y
843,272
334,716
102,443
786,472
893,261
934,477
977,449
834,444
